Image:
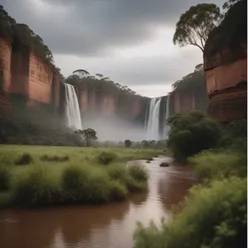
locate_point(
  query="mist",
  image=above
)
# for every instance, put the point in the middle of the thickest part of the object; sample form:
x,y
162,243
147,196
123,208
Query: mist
x,y
114,128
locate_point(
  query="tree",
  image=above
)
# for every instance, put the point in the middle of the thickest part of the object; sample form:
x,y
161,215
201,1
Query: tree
x,y
195,25
192,133
128,143
88,135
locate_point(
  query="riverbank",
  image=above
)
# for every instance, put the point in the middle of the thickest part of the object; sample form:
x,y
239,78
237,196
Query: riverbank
x,y
108,225
45,176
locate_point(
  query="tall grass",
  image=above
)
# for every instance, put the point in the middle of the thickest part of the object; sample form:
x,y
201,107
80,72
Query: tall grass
x,y
58,175
213,216
4,177
36,187
218,165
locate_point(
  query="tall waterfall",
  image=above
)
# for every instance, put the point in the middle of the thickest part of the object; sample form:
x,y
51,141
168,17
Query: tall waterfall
x,y
152,121
72,111
167,115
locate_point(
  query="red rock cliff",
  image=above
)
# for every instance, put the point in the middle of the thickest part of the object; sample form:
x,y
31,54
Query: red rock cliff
x,y
225,65
24,73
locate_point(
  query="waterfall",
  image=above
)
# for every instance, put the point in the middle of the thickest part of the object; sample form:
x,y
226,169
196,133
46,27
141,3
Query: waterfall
x,y
167,115
72,111
152,122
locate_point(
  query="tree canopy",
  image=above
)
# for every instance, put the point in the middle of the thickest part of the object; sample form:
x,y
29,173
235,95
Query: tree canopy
x,y
88,134
20,34
195,25
192,133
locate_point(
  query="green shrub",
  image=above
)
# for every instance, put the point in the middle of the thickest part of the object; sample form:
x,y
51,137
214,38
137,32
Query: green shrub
x,y
24,159
4,177
106,157
36,188
212,217
118,191
86,185
138,172
217,165
192,133
134,177
117,172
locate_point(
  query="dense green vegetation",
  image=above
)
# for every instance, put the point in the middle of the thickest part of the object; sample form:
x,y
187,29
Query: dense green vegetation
x,y
40,176
214,213
235,25
30,127
192,133
212,216
21,35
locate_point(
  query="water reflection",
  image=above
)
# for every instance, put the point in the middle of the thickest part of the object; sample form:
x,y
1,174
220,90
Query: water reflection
x,y
109,226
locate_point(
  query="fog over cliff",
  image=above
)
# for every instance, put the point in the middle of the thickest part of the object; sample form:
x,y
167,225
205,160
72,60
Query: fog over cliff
x,y
114,128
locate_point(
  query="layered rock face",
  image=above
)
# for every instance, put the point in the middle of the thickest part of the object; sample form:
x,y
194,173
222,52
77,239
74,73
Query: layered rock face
x,y
26,75
226,66
226,85
184,102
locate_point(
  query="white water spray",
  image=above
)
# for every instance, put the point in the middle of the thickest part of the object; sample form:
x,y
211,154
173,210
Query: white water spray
x,y
72,111
167,115
152,124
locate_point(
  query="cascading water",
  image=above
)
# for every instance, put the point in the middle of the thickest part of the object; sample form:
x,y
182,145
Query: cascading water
x,y
167,115
152,122
72,111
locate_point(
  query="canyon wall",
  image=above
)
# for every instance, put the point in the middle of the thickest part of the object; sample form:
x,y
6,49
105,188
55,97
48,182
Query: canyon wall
x,y
184,102
225,65
28,77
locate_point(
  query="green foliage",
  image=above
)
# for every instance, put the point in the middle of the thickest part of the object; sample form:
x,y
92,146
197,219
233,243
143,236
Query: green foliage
x,y
21,35
118,190
24,159
20,126
85,185
128,143
138,172
4,177
106,157
88,134
195,24
192,133
36,188
212,217
235,25
218,165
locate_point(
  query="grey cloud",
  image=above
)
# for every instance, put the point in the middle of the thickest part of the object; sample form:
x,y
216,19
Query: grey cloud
x,y
91,28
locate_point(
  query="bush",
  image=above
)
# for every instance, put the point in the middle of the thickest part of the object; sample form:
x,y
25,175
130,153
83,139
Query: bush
x,y
134,179
106,157
24,159
210,165
192,133
36,188
138,172
85,185
212,217
4,177
118,191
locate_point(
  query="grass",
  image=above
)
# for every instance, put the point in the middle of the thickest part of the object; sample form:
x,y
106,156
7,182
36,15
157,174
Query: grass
x,y
211,165
212,216
41,176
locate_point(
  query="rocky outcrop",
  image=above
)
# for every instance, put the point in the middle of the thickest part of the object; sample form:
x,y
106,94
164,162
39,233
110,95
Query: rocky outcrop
x,y
5,63
225,65
27,76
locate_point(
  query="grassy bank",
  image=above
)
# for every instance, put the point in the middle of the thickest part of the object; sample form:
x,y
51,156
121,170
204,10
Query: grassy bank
x,y
214,214
39,175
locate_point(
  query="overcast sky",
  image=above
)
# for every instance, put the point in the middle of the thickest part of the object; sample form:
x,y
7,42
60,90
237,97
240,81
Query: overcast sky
x,y
129,41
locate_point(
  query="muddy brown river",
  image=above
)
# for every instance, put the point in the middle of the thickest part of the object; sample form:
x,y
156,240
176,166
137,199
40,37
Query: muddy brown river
x,y
108,226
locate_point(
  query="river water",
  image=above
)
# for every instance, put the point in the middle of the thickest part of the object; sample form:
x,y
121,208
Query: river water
x,y
109,226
